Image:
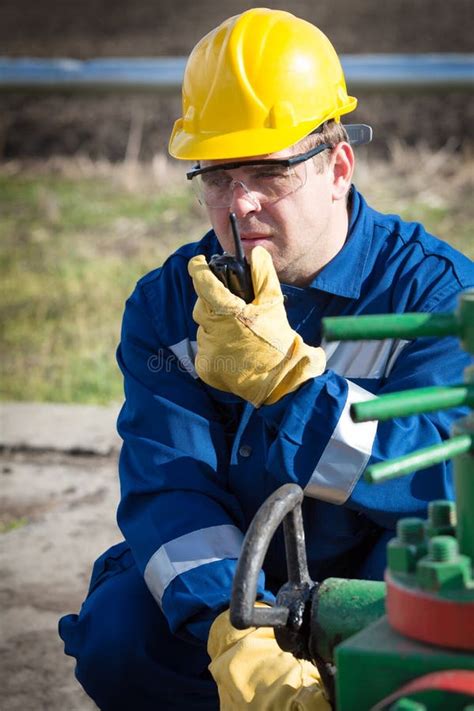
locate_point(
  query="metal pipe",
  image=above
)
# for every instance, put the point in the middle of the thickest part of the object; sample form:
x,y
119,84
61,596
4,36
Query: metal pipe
x,y
408,325
341,608
364,72
464,488
413,402
421,459
72,75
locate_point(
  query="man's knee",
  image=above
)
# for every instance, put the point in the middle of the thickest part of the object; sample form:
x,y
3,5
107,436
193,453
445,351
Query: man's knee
x,y
103,643
126,655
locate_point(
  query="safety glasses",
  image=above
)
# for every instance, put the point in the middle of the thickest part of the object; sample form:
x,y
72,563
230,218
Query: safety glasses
x,y
267,180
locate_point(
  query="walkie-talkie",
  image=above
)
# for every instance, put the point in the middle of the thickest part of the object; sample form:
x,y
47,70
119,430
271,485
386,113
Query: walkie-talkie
x,y
234,272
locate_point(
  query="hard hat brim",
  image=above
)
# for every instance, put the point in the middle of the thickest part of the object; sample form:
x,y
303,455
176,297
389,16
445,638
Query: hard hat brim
x,y
240,144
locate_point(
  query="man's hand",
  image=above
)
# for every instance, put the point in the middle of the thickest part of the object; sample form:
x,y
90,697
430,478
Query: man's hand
x,y
249,349
252,672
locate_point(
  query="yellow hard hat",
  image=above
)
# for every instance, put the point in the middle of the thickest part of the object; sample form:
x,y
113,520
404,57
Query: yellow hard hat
x,y
257,84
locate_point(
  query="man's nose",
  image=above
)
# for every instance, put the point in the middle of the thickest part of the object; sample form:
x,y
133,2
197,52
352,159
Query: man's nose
x,y
243,201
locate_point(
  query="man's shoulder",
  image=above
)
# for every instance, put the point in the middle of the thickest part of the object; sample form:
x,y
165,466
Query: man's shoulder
x,y
411,245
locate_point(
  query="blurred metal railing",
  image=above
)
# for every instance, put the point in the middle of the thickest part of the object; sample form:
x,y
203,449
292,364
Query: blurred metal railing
x,y
380,72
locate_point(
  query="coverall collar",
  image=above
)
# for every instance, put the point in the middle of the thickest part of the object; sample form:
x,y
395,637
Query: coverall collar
x,y
344,274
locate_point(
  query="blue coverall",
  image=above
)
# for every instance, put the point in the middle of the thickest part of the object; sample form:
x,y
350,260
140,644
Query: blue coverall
x,y
197,463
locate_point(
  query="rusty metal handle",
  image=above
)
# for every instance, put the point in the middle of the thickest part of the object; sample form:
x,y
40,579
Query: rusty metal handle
x,y
284,505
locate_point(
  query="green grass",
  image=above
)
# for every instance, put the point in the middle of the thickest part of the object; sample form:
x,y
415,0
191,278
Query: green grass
x,y
13,524
75,241
71,252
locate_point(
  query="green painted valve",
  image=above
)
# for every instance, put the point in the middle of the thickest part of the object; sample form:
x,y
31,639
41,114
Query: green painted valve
x,y
428,561
422,400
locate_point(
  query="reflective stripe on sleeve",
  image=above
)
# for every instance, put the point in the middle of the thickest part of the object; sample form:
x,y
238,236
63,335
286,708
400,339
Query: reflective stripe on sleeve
x,y
206,545
362,359
345,455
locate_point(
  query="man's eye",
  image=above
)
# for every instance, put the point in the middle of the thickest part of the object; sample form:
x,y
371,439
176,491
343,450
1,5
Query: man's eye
x,y
269,174
219,180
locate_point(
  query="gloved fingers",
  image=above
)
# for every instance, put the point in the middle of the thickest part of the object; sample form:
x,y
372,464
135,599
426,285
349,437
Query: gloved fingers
x,y
201,313
266,285
251,671
223,635
310,698
211,290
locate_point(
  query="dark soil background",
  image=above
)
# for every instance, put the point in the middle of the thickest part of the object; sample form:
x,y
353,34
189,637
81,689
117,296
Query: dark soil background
x,y
99,125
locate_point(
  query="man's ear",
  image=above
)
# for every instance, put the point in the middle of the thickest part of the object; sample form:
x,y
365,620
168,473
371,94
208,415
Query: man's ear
x,y
342,164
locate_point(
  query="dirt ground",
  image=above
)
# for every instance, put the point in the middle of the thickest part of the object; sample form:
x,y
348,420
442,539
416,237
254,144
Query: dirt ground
x,y
64,510
100,125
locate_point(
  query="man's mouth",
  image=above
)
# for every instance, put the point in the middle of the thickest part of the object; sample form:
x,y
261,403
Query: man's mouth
x,y
253,236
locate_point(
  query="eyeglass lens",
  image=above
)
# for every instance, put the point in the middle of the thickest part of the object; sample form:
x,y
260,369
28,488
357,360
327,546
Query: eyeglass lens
x,y
267,183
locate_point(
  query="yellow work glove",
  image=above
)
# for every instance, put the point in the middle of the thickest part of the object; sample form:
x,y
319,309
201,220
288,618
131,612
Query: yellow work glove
x,y
252,672
249,349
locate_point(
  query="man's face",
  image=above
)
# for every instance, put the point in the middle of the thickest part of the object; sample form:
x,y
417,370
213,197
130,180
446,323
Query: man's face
x,y
302,231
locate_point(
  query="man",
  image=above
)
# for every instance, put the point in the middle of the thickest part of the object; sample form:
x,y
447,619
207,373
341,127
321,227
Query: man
x,y
207,439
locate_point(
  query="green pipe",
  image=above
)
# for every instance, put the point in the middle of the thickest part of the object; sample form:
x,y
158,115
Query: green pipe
x,y
464,488
412,402
340,608
383,471
466,318
408,325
